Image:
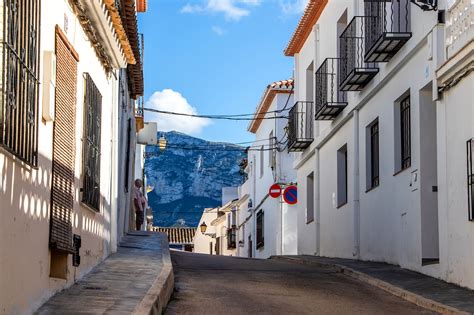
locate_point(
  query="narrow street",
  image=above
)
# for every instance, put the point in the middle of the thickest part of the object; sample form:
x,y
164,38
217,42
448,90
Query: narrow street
x,y
218,284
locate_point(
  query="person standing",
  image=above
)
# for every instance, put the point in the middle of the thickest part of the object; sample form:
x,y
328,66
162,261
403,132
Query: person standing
x,y
139,202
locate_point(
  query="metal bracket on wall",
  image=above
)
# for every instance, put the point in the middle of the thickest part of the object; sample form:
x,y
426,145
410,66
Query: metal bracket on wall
x,y
426,5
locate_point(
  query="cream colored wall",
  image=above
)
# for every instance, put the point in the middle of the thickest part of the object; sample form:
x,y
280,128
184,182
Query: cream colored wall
x,y
201,241
25,192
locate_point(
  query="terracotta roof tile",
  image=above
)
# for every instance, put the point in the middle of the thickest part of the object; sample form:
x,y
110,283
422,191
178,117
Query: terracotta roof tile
x,y
177,235
283,86
310,17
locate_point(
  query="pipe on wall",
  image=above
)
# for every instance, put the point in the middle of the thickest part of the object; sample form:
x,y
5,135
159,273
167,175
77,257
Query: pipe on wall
x,y
356,185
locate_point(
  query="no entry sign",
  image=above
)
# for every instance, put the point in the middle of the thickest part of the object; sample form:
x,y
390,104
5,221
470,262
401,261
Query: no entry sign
x,y
290,195
275,191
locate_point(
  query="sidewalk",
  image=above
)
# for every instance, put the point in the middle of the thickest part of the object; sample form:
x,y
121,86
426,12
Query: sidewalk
x,y
138,279
425,291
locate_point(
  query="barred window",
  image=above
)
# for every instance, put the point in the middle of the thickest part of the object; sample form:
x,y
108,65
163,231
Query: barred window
x,y
19,80
91,144
405,128
231,238
260,229
372,162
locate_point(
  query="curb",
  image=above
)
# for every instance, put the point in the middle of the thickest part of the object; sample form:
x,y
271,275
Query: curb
x,y
383,285
159,294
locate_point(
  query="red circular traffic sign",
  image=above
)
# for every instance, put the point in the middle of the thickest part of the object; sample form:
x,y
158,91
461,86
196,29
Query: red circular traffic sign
x,y
275,191
290,195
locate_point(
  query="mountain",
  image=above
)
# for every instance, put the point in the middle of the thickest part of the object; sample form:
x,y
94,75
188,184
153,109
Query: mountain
x,y
188,176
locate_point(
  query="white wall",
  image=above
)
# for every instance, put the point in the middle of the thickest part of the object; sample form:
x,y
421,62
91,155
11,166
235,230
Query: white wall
x,y
395,222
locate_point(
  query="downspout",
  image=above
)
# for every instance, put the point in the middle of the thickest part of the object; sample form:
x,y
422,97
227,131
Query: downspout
x,y
355,185
254,221
317,203
114,171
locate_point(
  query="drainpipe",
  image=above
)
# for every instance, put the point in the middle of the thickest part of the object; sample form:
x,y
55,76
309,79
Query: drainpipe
x,y
317,203
254,221
356,188
114,237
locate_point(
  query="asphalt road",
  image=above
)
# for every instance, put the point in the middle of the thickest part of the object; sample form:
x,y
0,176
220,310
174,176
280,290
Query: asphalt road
x,y
227,285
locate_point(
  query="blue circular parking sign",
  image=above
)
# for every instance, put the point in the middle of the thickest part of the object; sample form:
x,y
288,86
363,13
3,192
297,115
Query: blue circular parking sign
x,y
290,195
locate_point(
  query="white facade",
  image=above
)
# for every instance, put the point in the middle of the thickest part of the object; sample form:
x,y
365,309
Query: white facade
x,y
414,217
267,166
29,272
204,243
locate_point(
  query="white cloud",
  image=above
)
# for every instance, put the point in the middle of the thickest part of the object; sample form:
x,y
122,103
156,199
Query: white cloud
x,y
189,8
172,101
232,9
293,6
218,30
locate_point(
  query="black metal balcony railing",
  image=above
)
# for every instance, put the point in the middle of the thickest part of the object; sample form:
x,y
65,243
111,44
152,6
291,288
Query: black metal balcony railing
x,y
300,126
387,28
330,101
139,107
231,238
354,72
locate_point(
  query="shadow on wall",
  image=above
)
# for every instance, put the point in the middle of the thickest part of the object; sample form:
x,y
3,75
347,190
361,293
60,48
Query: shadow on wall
x,y
25,192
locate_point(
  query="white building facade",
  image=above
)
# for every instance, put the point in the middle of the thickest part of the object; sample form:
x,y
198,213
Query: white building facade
x,y
383,169
60,141
266,225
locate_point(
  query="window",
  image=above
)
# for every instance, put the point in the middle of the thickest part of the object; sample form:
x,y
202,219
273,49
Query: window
x,y
405,135
310,198
91,144
262,160
19,80
342,176
372,155
470,178
260,229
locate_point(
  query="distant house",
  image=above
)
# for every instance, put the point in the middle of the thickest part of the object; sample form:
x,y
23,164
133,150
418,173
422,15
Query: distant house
x,y
180,238
266,225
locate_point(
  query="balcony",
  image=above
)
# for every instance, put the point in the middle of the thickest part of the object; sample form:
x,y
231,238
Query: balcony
x,y
300,126
354,72
387,28
329,100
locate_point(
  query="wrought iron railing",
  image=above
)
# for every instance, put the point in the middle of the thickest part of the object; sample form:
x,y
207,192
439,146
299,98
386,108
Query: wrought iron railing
x,y
387,28
231,238
354,72
300,126
329,100
139,107
19,79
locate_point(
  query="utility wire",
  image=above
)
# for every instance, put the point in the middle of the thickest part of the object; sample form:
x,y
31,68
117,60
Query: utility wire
x,y
223,117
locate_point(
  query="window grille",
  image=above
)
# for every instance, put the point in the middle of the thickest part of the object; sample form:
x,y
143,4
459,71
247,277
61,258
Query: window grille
x,y
231,238
405,127
91,149
19,81
260,229
470,178
374,155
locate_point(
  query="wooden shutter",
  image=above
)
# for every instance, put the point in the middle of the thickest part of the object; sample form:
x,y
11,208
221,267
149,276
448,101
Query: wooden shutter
x,y
64,146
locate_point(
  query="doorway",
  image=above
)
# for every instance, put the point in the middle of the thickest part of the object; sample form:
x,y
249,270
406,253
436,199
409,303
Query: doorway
x,y
428,178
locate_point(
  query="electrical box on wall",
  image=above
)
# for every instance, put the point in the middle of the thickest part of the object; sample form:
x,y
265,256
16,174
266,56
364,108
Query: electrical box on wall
x,y
49,85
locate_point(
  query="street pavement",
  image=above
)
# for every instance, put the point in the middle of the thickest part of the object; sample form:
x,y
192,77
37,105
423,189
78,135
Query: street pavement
x,y
208,284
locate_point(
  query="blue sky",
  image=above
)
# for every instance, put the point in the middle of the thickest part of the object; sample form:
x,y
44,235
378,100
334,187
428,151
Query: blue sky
x,y
214,57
